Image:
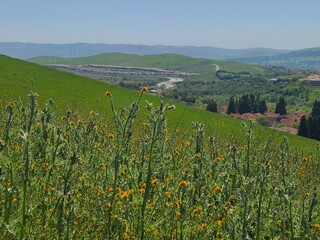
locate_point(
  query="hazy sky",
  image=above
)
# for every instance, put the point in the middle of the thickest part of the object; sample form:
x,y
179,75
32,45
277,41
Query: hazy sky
x,y
281,24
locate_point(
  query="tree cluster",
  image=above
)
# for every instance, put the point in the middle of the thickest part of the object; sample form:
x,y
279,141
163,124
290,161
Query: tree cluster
x,y
281,107
247,104
212,106
310,126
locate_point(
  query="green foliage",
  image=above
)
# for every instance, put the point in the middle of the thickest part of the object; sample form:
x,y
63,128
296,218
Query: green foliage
x,y
212,106
73,176
281,107
82,95
247,104
232,106
310,127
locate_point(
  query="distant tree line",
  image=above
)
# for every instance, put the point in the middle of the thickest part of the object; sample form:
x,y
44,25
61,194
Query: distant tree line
x,y
247,104
310,126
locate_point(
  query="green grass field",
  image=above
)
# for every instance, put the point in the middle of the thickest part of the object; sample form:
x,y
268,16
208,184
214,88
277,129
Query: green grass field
x,y
163,61
18,78
84,169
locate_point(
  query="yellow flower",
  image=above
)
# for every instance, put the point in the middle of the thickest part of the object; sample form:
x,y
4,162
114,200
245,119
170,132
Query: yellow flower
x,y
14,200
168,194
305,159
198,155
218,158
144,89
111,135
169,205
108,94
178,202
219,223
95,127
154,182
202,226
317,225
183,183
91,113
124,194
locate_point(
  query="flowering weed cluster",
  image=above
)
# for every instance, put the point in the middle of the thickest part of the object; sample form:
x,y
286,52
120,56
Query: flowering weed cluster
x,y
85,177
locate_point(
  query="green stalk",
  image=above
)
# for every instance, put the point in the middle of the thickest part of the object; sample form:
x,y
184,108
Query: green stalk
x,y
148,183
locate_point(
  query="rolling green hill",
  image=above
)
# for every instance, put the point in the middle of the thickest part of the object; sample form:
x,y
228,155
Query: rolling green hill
x,y
305,59
163,61
18,78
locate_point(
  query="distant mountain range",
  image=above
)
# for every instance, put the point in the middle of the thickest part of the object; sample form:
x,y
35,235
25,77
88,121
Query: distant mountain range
x,y
305,58
72,50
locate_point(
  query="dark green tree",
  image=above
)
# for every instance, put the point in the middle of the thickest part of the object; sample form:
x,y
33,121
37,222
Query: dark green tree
x,y
263,107
316,109
232,107
212,106
281,107
303,127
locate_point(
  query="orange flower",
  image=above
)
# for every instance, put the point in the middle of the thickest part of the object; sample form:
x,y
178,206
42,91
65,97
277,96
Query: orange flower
x,y
183,183
168,194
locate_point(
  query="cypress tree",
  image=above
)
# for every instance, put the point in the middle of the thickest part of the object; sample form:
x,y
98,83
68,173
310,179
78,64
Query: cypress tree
x,y
281,107
303,127
263,106
212,106
232,106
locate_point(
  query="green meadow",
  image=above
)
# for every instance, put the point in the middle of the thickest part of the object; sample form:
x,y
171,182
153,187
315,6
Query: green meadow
x,y
102,162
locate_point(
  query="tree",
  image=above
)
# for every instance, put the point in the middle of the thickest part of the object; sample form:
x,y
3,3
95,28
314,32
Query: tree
x,y
303,127
263,107
281,107
212,106
232,108
316,109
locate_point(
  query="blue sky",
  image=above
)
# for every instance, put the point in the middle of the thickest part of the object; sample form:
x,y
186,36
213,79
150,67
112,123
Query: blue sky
x,y
281,24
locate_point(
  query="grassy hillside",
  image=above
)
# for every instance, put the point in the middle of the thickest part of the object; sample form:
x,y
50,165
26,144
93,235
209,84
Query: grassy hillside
x,y
164,61
305,58
81,94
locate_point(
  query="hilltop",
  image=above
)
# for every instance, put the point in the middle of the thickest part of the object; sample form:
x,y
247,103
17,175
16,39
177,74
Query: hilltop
x,y
163,61
81,94
305,59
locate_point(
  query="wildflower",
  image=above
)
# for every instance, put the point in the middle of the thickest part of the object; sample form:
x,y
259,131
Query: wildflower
x,y
124,194
95,127
154,182
111,136
108,94
69,193
91,113
202,226
219,223
171,107
169,204
178,202
186,143
218,158
307,194
198,155
14,200
168,194
141,190
305,159
317,225
183,183
144,89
